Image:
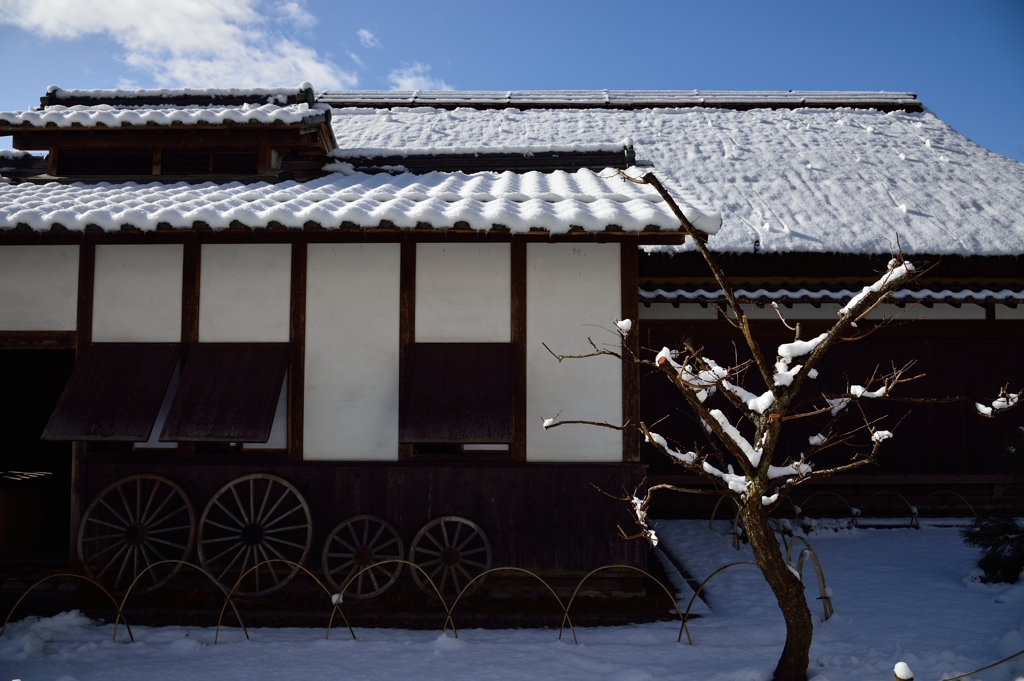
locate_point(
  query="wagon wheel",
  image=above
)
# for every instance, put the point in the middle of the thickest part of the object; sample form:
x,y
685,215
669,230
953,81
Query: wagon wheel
x,y
356,543
132,524
252,519
451,551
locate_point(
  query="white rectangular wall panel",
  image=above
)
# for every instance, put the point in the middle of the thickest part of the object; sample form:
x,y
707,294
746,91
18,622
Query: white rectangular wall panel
x,y
463,293
572,293
39,287
245,293
351,384
137,294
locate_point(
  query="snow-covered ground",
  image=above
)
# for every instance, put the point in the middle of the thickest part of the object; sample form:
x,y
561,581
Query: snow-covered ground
x,y
899,594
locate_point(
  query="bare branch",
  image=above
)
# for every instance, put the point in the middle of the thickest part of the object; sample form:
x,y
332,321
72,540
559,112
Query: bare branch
x,y
700,238
551,423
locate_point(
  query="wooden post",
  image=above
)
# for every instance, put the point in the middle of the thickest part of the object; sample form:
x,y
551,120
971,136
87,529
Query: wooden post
x,y
406,331
86,276
518,449
630,349
297,363
193,260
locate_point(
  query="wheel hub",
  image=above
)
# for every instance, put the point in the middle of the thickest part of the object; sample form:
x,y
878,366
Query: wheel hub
x,y
135,533
252,535
450,556
363,556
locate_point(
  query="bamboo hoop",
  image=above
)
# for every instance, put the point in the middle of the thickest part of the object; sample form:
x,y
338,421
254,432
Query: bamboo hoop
x,y
949,491
92,581
913,510
182,563
826,600
334,606
696,593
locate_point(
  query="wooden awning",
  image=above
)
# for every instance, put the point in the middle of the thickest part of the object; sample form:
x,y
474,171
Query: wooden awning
x,y
228,392
114,393
457,393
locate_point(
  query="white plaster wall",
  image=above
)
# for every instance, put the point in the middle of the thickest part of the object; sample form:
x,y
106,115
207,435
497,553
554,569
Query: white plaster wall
x,y
571,292
38,288
245,293
351,384
463,293
137,294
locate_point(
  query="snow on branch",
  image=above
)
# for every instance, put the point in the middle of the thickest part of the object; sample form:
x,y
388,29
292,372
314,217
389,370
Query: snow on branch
x,y
789,351
895,273
1005,401
755,403
753,455
686,458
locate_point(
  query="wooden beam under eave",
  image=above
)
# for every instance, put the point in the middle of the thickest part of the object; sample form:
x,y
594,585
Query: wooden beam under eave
x,y
297,358
22,234
518,267
630,349
406,330
86,279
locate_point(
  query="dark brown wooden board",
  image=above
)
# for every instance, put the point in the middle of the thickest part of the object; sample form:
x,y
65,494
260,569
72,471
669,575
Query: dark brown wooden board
x,y
929,439
458,392
630,350
228,393
114,393
38,340
518,447
550,517
406,331
297,369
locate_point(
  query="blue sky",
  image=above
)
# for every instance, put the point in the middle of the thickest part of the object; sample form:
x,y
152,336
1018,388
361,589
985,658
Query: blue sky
x,y
965,60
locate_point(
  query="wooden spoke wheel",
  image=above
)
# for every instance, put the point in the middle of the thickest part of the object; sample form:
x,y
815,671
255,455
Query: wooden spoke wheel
x,y
451,551
252,519
357,543
131,525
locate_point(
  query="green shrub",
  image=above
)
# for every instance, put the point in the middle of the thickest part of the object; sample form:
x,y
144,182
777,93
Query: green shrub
x,y
1001,541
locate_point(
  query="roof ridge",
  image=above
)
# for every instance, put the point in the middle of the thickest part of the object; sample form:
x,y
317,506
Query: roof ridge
x,y
620,99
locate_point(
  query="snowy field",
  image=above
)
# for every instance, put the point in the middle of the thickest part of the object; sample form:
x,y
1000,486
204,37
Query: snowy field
x,y
899,594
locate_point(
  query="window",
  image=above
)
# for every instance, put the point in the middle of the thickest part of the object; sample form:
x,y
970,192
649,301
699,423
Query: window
x,y
104,162
458,398
135,392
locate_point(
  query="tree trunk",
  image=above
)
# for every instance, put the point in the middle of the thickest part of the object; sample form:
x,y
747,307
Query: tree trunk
x,y
788,590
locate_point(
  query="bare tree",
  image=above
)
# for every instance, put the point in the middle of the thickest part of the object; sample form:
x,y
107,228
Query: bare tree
x,y
743,467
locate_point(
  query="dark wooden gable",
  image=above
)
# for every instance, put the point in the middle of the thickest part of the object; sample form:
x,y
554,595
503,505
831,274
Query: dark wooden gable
x,y
228,392
458,393
114,393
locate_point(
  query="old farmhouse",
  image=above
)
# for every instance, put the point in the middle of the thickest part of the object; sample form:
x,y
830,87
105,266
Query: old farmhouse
x,y
311,325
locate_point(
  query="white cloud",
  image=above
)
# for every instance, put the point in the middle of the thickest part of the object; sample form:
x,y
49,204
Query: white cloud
x,y
416,77
297,15
355,57
195,43
367,39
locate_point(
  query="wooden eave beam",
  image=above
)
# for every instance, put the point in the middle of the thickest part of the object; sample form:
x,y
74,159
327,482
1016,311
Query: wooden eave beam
x,y
314,233
278,137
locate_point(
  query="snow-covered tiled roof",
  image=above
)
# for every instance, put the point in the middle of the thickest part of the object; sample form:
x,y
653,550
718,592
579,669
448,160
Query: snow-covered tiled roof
x,y
555,202
844,180
116,116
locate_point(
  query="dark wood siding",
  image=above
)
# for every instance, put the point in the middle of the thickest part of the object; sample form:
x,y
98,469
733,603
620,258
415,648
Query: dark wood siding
x,y
228,393
541,516
114,393
458,392
971,358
